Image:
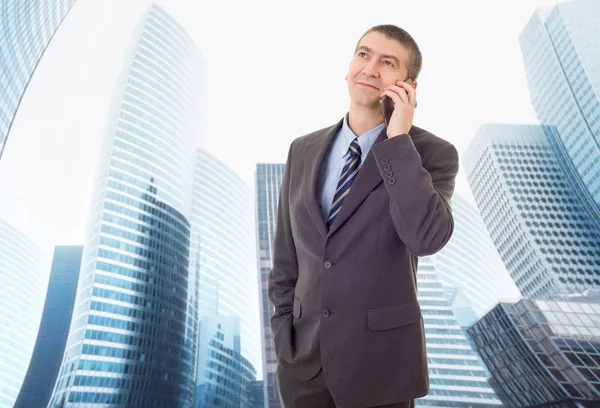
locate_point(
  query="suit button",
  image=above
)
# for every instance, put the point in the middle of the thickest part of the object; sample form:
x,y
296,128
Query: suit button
x,y
388,174
325,313
387,167
384,160
328,264
391,180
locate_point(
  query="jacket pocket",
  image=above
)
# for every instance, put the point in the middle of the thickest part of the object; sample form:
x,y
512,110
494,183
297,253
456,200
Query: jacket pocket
x,y
297,310
390,317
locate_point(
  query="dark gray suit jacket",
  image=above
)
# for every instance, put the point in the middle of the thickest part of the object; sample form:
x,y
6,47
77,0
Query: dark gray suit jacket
x,y
346,299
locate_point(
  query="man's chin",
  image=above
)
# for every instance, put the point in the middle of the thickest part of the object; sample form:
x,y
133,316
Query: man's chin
x,y
368,103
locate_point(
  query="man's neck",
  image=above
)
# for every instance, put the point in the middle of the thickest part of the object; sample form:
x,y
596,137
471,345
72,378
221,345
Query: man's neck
x,y
361,119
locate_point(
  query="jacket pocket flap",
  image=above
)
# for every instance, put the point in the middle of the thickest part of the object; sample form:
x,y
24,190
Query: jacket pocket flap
x,y
297,311
390,317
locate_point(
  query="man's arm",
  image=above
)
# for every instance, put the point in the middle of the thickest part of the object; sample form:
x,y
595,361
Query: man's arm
x,y
420,199
284,274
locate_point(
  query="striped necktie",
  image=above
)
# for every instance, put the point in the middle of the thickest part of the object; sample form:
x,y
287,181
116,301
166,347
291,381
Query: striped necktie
x,y
349,172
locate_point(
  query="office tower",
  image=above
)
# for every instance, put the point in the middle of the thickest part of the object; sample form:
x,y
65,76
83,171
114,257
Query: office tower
x,y
542,353
470,265
256,396
544,227
26,29
54,328
457,378
561,53
132,338
23,280
268,184
227,375
223,255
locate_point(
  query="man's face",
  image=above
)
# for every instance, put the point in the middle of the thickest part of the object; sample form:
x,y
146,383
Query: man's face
x,y
379,61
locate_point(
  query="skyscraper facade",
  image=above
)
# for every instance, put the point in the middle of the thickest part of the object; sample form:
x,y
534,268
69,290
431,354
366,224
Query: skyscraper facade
x,y
26,29
470,262
132,341
268,185
226,376
561,53
54,328
457,377
542,353
23,279
224,256
542,224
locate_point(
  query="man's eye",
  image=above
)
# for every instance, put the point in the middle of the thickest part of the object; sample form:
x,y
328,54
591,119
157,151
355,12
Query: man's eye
x,y
362,53
389,63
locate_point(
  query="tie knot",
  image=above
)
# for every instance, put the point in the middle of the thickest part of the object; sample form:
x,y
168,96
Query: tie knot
x,y
355,148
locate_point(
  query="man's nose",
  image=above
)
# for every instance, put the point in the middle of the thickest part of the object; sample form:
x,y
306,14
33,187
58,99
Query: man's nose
x,y
372,68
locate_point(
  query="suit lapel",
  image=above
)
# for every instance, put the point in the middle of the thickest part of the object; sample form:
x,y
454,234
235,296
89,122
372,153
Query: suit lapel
x,y
366,180
313,156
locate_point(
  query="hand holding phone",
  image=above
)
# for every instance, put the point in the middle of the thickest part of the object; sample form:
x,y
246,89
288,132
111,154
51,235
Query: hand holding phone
x,y
387,105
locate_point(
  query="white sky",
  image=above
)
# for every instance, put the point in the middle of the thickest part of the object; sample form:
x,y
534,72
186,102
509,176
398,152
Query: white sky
x,y
275,71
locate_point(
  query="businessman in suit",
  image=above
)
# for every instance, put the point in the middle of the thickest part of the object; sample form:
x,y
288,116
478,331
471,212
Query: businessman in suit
x,y
359,203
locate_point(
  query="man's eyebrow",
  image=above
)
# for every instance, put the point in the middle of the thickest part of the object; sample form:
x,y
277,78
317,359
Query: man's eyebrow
x,y
367,49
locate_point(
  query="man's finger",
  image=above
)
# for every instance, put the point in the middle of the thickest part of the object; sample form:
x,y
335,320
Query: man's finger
x,y
410,91
401,92
394,95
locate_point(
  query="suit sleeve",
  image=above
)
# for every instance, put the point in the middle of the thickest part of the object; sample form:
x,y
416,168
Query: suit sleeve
x,y
284,273
420,198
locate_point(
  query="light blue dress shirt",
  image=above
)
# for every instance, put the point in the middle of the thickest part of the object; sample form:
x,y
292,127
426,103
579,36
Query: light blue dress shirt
x,y
336,157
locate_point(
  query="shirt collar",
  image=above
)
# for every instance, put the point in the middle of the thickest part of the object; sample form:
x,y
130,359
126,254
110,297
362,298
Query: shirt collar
x,y
365,141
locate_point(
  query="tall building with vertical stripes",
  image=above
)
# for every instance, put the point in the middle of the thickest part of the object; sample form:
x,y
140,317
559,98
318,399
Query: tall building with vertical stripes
x,y
561,52
268,185
54,328
223,254
544,226
225,376
23,279
132,340
470,264
26,29
457,375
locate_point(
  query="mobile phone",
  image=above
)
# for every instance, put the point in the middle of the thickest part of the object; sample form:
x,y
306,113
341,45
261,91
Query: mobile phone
x,y
387,105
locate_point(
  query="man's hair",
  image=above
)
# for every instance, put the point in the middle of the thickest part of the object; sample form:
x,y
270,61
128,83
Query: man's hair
x,y
415,59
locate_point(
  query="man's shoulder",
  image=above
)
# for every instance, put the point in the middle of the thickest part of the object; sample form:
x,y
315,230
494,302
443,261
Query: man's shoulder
x,y
427,139
428,143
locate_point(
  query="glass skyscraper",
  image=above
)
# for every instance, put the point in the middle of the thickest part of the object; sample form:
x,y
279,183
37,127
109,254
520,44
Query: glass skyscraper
x,y
544,226
227,377
54,328
223,254
268,185
561,52
26,29
256,395
470,263
457,377
132,340
543,353
23,279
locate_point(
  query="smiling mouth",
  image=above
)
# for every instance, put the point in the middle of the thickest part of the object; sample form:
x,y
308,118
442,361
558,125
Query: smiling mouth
x,y
368,85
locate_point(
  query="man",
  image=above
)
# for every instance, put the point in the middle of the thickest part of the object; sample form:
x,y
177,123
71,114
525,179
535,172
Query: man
x,y
348,329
